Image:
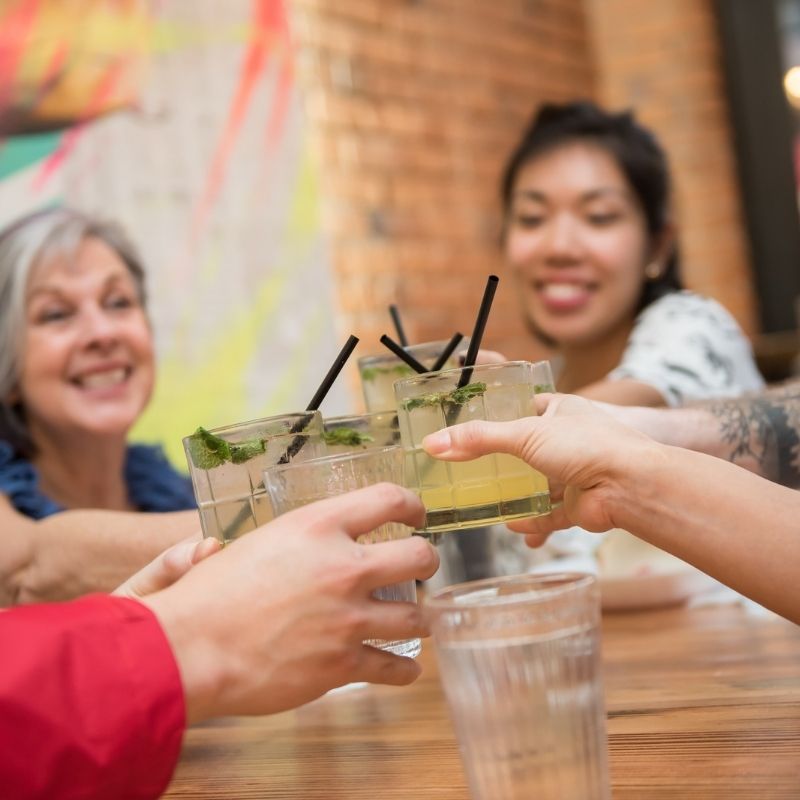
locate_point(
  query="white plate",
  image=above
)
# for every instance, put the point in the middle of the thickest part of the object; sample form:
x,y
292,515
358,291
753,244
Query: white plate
x,y
635,575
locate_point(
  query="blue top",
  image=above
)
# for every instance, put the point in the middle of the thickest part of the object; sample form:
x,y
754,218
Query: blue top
x,y
153,484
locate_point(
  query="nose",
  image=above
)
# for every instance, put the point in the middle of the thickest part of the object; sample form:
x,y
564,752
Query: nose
x,y
99,330
562,244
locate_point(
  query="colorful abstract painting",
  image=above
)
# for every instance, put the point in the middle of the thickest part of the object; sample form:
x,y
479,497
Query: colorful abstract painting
x,y
183,121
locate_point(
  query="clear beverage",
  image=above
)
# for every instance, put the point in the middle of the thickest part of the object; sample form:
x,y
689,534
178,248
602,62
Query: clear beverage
x,y
361,432
294,485
489,489
379,372
534,747
228,482
522,681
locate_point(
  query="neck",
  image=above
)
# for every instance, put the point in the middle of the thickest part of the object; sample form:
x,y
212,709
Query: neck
x,y
84,472
584,364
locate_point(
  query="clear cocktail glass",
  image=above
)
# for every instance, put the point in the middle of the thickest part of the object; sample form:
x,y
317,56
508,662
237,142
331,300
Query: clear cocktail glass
x,y
227,467
379,372
361,431
299,483
486,490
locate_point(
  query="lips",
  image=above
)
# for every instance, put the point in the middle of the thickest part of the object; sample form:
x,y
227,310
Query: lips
x,y
102,378
564,296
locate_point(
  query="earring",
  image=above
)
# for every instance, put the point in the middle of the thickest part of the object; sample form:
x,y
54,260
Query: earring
x,y
653,271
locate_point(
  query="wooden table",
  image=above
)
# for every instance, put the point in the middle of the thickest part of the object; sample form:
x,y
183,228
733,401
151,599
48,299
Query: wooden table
x,y
703,705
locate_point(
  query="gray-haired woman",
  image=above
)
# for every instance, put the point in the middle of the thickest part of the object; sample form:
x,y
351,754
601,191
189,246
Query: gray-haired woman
x,y
76,372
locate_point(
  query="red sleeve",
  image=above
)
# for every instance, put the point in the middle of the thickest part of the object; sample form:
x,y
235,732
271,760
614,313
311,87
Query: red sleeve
x,y
91,702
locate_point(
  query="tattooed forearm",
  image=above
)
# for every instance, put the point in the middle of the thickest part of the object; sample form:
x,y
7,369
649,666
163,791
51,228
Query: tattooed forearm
x,y
762,432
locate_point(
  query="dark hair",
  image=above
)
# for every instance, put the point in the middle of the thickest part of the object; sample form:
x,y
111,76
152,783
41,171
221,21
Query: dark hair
x,y
637,153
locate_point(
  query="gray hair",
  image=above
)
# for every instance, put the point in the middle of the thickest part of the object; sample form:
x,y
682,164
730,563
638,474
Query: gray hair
x,y
24,245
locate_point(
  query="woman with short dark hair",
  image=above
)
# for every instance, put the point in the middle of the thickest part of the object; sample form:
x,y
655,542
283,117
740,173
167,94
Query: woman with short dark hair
x,y
589,237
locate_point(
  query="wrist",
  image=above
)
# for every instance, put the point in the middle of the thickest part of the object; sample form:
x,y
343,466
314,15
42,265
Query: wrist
x,y
199,664
636,495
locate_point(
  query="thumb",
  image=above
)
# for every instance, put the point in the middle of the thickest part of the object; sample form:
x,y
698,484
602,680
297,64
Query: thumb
x,y
167,568
479,438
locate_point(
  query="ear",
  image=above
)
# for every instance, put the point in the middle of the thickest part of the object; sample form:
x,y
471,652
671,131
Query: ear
x,y
13,397
662,245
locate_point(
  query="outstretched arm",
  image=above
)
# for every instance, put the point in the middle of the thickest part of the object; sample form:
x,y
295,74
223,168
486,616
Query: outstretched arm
x,y
759,432
731,524
76,552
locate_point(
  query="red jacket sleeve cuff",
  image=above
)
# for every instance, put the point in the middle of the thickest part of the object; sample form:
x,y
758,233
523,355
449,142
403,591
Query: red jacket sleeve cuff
x,y
91,701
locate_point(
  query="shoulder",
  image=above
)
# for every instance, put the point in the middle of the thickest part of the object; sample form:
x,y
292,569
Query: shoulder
x,y
154,484
687,307
19,482
689,348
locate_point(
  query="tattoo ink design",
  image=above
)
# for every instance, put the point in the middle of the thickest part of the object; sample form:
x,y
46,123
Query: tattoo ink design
x,y
764,429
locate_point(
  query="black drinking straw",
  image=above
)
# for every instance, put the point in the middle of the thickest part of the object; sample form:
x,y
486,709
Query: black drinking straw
x,y
398,325
447,352
402,355
297,443
477,333
333,373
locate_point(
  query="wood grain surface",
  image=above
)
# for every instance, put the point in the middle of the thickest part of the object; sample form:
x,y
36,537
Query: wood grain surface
x,y
703,704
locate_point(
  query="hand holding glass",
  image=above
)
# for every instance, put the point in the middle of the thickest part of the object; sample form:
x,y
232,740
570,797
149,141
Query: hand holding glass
x,y
297,484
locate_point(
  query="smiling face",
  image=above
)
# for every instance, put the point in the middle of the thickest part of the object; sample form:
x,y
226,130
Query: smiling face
x,y
87,359
577,242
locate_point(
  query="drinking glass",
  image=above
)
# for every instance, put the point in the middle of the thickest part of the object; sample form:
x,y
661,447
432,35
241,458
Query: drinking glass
x,y
228,481
296,484
519,659
486,490
361,431
379,372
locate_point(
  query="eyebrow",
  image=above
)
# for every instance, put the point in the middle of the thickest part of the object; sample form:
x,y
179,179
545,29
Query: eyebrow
x,y
592,194
113,278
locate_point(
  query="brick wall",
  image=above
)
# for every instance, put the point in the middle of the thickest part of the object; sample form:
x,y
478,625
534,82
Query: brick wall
x,y
415,106
663,59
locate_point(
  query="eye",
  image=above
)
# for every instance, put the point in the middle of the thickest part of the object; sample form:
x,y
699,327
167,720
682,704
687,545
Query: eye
x,y
119,301
528,220
601,220
52,315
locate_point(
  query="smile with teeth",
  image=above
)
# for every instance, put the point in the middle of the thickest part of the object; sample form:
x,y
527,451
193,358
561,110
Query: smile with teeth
x,y
103,380
563,291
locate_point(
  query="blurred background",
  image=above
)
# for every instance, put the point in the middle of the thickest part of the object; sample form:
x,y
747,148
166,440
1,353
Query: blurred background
x,y
289,168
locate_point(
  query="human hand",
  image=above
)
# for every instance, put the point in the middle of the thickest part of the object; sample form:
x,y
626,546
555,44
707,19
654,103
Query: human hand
x,y
574,444
279,617
489,357
168,567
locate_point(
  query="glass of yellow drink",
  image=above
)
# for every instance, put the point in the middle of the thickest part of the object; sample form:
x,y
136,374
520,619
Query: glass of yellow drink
x,y
489,489
227,466
379,372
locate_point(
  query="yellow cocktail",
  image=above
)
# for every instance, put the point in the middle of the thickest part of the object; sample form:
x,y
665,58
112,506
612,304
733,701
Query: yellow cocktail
x,y
490,489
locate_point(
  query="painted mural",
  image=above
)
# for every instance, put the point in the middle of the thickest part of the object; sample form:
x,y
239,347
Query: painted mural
x,y
183,121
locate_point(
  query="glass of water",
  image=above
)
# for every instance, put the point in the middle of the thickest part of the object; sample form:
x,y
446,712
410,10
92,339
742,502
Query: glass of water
x,y
519,659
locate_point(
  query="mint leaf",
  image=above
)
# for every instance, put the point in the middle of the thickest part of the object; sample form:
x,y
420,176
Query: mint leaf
x,y
399,371
244,451
463,395
538,388
458,397
207,450
346,436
